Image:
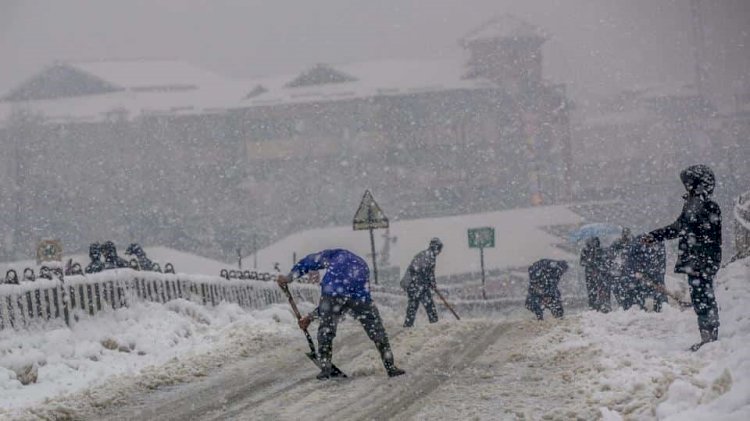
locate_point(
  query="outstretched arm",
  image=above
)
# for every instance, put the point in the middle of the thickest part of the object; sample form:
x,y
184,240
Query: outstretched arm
x,y
669,232
311,262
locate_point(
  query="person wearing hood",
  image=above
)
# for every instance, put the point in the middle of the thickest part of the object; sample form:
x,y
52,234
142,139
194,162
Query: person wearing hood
x,y
111,259
419,281
344,289
144,263
95,254
699,250
544,278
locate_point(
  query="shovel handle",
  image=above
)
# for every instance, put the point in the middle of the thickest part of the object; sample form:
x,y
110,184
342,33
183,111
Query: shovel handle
x,y
288,294
446,303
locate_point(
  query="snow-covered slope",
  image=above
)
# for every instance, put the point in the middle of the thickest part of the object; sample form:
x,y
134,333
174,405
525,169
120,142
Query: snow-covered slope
x,y
524,226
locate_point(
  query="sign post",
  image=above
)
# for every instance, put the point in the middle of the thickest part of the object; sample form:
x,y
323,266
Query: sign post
x,y
481,238
369,216
49,251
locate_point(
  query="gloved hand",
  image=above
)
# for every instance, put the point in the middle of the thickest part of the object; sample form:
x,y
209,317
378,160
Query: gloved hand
x,y
282,280
304,322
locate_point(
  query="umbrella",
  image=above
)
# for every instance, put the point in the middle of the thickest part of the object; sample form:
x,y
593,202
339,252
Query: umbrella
x,y
599,229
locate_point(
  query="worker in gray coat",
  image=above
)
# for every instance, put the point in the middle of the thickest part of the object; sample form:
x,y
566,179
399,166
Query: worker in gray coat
x,y
418,282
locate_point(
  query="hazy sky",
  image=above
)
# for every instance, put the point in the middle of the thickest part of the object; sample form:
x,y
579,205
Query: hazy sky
x,y
595,45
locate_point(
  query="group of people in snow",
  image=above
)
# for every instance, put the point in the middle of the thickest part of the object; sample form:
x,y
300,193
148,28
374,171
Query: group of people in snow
x,y
104,257
633,268
630,269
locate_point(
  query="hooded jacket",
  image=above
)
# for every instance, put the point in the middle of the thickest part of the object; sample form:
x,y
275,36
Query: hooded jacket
x,y
698,226
347,274
421,270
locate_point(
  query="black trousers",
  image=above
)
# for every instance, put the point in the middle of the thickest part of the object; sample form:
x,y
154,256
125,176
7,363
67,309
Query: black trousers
x,y
419,294
536,303
598,289
704,301
330,311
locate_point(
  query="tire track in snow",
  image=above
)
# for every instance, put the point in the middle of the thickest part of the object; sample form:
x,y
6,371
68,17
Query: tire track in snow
x,y
240,386
432,355
393,402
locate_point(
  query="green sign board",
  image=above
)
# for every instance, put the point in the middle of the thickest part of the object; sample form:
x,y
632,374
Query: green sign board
x,y
481,237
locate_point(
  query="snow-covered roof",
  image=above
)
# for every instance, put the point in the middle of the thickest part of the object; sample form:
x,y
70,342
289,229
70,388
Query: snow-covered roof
x,y
214,93
131,104
145,74
503,27
370,79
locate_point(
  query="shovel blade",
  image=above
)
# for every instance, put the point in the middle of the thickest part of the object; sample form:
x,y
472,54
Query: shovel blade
x,y
335,371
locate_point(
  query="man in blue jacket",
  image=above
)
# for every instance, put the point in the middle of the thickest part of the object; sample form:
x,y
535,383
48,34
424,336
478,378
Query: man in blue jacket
x,y
344,289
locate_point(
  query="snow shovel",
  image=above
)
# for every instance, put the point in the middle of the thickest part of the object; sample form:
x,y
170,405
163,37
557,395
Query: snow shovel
x,y
445,302
313,354
662,289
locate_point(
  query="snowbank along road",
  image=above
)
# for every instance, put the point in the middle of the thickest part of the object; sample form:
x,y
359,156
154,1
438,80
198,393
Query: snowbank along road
x,y
630,365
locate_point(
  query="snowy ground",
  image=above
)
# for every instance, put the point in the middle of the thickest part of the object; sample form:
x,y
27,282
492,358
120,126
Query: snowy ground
x,y
228,363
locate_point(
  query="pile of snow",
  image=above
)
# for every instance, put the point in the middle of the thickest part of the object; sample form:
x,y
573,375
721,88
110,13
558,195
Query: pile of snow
x,y
126,342
630,359
185,262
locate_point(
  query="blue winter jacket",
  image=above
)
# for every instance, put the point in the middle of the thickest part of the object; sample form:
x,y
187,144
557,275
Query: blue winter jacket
x,y
346,275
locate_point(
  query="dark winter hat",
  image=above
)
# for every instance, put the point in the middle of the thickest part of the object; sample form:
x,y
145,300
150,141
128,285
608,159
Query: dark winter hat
x,y
698,179
94,249
436,244
108,248
134,248
593,241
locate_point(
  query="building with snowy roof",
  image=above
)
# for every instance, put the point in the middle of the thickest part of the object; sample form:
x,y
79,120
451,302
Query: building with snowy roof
x,y
429,137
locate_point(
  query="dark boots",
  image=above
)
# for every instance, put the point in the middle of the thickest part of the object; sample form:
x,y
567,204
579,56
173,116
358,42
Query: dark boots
x,y
387,357
707,335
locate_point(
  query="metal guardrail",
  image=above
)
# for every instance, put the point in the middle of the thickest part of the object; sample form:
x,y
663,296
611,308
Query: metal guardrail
x,y
742,225
35,303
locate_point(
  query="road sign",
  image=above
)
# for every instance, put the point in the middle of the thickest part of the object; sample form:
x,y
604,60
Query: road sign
x,y
481,237
369,215
49,250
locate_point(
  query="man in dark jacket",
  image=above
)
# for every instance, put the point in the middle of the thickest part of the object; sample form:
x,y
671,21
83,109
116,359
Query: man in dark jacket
x,y
699,249
95,254
111,259
544,277
419,281
622,283
593,259
344,289
144,263
647,266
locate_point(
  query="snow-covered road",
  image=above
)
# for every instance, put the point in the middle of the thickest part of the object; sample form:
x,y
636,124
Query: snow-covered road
x,y
622,365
